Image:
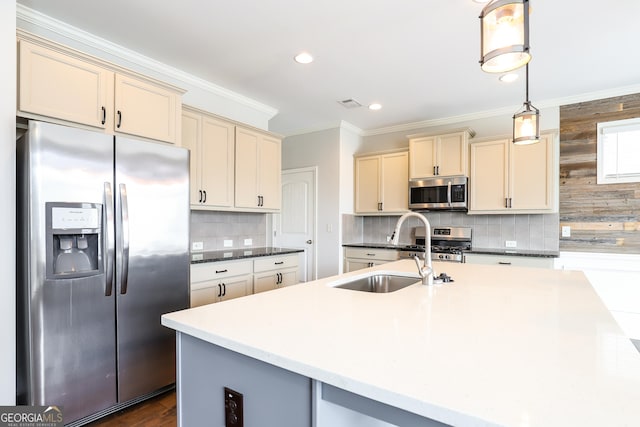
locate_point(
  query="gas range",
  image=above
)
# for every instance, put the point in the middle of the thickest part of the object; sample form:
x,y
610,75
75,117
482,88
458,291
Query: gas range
x,y
448,243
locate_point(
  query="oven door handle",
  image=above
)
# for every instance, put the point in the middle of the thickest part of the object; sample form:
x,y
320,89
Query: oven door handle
x,y
449,193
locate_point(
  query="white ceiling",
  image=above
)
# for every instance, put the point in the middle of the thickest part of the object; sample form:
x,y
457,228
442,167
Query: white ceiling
x,y
418,58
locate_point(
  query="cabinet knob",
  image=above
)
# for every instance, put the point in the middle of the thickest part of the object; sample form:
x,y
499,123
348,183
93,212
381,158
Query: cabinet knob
x,y
309,242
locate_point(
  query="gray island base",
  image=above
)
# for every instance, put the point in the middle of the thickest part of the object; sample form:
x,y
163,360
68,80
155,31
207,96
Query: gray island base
x,y
272,396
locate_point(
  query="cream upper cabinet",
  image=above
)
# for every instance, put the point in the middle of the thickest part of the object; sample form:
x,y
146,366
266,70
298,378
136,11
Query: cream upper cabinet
x,y
382,183
65,85
513,178
257,173
439,155
145,109
53,84
211,142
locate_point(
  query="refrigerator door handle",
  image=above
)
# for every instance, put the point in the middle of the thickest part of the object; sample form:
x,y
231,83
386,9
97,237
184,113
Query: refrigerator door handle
x,y
109,240
124,233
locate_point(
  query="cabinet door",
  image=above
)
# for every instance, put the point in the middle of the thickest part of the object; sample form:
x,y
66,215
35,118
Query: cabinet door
x,y
236,287
191,127
489,180
263,282
532,175
56,85
288,277
204,293
144,109
452,154
367,185
394,191
269,159
216,162
246,162
422,158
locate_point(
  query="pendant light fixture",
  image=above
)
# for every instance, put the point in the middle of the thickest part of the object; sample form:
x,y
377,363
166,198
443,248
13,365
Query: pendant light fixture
x,y
504,35
526,123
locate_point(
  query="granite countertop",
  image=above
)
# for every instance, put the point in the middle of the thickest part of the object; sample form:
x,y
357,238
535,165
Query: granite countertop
x,y
233,254
487,251
535,348
515,252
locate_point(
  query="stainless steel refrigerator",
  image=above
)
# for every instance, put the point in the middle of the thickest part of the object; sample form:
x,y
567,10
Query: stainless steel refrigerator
x,y
103,240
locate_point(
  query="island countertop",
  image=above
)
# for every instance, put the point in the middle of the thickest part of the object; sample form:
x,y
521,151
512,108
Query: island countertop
x,y
498,347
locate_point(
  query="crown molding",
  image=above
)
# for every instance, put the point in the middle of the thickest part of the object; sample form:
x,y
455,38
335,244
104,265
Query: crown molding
x,y
70,32
549,103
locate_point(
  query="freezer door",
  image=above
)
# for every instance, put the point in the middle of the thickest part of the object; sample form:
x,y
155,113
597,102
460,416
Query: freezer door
x,y
152,261
66,322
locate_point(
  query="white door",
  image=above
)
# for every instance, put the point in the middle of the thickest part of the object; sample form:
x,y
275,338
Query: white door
x,y
295,225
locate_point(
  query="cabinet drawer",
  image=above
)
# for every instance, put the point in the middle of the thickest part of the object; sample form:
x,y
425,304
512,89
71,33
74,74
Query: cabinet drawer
x,y
507,260
275,263
373,254
218,270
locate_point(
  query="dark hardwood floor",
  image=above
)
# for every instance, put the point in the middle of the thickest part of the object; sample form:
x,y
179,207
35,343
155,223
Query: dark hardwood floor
x,y
159,411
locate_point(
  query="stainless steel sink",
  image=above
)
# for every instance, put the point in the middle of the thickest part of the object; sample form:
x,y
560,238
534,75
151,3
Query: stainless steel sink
x,y
377,283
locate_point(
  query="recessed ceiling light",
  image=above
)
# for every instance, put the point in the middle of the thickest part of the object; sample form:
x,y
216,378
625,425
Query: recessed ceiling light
x,y
508,78
303,58
375,106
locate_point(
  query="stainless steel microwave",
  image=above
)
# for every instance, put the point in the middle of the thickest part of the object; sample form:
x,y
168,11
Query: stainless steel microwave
x,y
439,193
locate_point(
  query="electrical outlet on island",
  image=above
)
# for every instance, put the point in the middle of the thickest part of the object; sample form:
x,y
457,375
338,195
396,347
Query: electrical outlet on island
x,y
228,243
248,242
510,243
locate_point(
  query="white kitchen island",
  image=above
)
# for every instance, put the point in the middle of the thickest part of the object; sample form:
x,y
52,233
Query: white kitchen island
x,y
498,347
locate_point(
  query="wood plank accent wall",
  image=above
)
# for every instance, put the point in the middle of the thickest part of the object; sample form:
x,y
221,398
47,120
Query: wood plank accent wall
x,y
605,217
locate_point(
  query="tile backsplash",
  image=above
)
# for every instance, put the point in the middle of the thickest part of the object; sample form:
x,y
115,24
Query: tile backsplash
x,y
531,232
213,228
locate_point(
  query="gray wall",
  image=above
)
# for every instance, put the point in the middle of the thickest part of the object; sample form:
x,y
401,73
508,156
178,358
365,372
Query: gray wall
x,y
7,207
321,149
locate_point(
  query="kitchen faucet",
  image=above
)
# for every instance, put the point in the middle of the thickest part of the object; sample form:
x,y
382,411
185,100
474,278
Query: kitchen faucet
x,y
426,270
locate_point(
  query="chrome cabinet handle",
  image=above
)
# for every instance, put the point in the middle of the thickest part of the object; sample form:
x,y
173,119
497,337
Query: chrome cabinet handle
x,y
124,223
449,193
109,240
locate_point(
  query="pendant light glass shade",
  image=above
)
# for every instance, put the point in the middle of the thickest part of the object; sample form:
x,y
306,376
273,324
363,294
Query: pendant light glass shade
x,y
526,122
504,35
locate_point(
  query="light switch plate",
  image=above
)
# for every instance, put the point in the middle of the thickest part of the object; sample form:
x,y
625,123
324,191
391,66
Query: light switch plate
x,y
510,243
228,243
197,246
566,231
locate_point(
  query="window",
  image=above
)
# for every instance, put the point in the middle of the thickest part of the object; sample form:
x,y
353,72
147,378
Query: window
x,y
619,151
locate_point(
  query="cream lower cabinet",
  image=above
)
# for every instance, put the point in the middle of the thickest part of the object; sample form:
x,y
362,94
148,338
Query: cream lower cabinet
x,y
359,258
508,178
211,142
219,281
382,183
60,83
275,272
257,171
510,260
439,155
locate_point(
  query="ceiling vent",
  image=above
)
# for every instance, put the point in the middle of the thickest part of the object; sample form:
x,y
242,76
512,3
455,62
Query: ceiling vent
x,y
350,103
